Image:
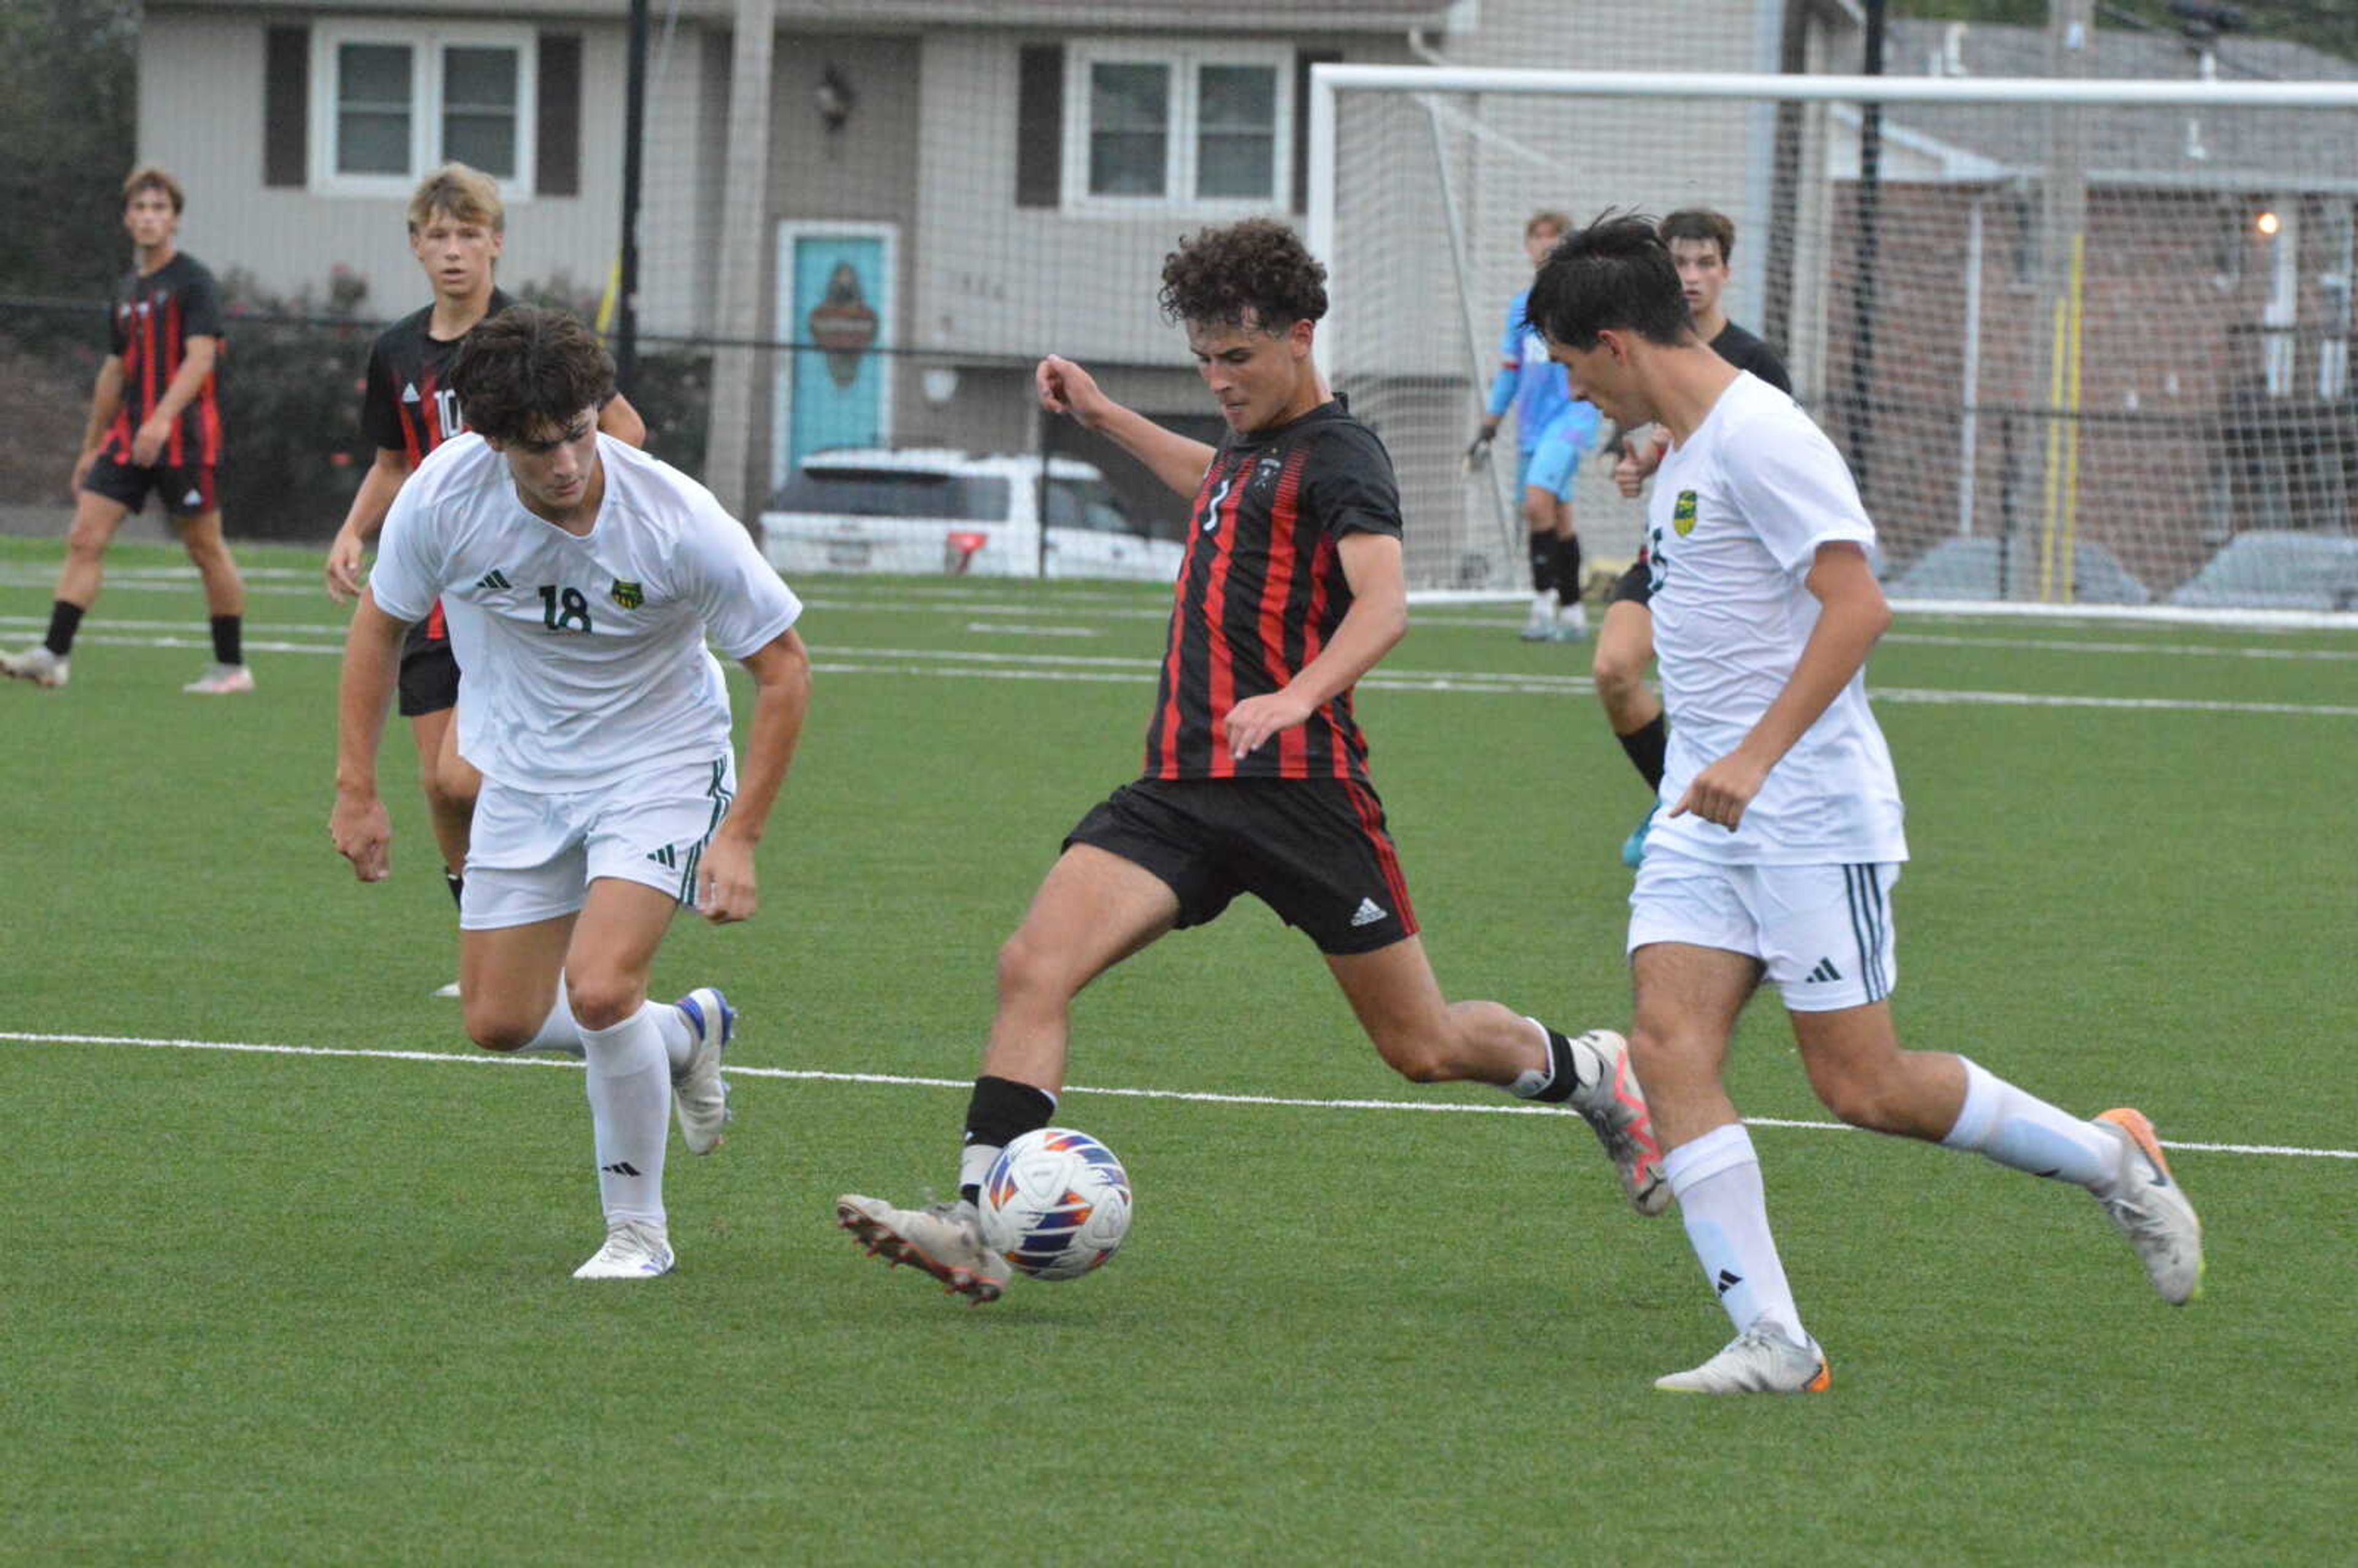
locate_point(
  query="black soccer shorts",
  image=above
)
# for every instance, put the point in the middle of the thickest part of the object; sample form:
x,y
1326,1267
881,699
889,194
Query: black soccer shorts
x,y
429,671
1315,850
1635,586
188,490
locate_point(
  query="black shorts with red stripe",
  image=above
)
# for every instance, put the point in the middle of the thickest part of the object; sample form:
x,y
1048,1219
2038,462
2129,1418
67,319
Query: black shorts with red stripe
x,y
187,488
1635,586
429,671
1315,850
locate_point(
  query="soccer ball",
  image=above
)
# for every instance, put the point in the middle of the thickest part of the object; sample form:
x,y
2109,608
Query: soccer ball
x,y
1057,1203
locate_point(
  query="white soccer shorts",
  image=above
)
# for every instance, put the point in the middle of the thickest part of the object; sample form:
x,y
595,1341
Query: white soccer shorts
x,y
1822,933
533,857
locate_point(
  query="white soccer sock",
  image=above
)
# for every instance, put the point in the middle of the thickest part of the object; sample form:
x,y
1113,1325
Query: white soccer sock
x,y
1717,1179
678,1035
2025,1132
561,1032
630,1109
974,1161
1540,1083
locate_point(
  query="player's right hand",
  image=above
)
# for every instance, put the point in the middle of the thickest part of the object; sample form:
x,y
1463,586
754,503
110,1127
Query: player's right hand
x,y
1478,452
1628,476
83,465
1066,388
343,569
362,834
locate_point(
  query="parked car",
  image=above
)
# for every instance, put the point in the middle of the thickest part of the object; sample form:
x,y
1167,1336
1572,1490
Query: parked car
x,y
2274,568
869,509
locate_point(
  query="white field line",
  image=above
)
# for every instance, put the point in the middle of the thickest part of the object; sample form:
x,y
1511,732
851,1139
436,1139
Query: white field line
x,y
1109,607
1113,669
899,1080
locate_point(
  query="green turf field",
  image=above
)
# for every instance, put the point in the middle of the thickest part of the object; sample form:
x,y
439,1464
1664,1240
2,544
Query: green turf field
x,y
310,1301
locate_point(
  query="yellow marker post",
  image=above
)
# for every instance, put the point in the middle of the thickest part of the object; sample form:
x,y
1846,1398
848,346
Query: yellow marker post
x,y
2072,447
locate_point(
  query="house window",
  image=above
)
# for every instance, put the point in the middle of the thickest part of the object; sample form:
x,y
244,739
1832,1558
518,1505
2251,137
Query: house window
x,y
394,100
1200,126
1130,129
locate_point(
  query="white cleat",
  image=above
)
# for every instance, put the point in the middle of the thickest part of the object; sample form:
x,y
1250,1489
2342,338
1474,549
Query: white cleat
x,y
1541,625
1571,623
1761,1360
221,680
1615,1109
37,664
945,1240
449,992
633,1251
2151,1209
698,1093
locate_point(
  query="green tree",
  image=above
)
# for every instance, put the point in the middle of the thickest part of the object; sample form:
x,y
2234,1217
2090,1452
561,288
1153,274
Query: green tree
x,y
69,96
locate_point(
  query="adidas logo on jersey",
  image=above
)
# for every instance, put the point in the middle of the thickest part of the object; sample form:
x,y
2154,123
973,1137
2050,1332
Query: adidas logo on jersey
x,y
1824,972
492,580
1368,912
409,392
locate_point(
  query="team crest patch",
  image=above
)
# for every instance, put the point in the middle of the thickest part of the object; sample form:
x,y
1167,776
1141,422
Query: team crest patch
x,y
1683,516
629,596
1264,477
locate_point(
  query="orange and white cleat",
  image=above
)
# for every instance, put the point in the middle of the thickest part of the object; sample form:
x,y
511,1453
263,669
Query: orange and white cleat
x,y
2151,1210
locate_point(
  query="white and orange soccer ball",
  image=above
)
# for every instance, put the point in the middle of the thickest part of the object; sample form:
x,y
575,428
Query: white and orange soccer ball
x,y
1056,1204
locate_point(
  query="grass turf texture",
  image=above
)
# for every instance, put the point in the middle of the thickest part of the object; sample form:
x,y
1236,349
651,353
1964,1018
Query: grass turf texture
x,y
316,1308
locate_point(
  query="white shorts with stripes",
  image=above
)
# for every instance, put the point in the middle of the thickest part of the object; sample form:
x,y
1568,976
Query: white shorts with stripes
x,y
533,857
1823,934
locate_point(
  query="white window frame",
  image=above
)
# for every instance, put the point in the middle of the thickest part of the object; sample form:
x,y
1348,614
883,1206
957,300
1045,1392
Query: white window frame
x,y
425,43
1179,171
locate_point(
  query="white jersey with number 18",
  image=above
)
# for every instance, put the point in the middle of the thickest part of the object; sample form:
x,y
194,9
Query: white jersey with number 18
x,y
1737,514
583,656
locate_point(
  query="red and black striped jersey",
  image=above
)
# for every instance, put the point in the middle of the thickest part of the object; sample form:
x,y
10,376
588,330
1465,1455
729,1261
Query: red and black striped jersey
x,y
1261,591
156,314
405,406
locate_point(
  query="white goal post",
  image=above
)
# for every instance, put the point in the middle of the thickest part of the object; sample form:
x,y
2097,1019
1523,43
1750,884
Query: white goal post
x,y
2086,342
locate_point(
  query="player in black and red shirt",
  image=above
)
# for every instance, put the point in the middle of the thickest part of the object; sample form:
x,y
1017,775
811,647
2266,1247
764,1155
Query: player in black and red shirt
x,y
154,424
457,226
1256,776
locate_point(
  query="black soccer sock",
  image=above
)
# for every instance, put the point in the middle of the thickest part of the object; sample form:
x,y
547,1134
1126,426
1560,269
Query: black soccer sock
x,y
1542,547
1563,1075
65,620
1567,570
1001,1111
226,640
458,883
1646,746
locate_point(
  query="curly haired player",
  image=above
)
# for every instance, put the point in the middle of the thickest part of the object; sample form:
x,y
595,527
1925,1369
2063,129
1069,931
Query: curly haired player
x,y
1255,777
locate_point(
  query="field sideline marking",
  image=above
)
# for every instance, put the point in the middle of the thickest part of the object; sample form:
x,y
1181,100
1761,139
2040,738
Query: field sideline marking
x,y
1092,669
492,1059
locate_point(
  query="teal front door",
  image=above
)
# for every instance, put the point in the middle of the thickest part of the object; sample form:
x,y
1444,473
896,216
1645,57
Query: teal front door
x,y
838,315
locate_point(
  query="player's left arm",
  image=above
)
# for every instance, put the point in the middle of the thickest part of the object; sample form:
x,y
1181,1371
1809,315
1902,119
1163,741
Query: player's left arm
x,y
1371,628
197,356
1852,614
781,672
623,422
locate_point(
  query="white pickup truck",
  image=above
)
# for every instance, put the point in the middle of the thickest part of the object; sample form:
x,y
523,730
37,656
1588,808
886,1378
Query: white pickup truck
x,y
920,511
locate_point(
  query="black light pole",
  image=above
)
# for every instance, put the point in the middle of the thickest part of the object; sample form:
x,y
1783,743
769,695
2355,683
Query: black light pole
x,y
1870,201
635,117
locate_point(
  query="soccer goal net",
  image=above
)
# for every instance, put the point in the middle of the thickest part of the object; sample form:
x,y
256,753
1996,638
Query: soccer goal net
x,y
2083,343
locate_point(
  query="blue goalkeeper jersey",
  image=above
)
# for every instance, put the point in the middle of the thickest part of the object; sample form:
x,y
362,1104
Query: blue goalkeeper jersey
x,y
1527,379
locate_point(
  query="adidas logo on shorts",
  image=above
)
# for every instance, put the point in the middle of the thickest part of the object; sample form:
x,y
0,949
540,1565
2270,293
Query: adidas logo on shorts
x,y
1368,912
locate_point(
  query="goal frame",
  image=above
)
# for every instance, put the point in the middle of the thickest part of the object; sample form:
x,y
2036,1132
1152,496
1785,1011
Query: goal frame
x,y
1326,81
